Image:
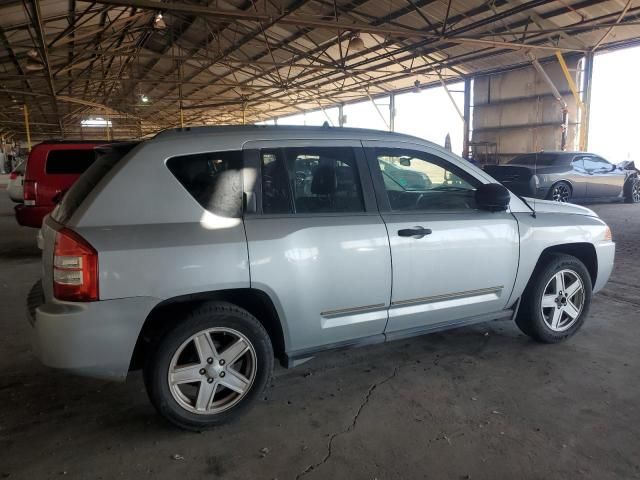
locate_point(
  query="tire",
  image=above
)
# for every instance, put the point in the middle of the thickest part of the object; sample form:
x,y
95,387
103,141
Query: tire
x,y
537,320
632,191
560,192
190,405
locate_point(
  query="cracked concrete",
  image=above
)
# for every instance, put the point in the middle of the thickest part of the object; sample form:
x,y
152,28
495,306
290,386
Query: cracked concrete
x,y
565,411
349,428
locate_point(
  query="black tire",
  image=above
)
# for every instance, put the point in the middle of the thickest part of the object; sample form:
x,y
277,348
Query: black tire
x,y
560,192
632,191
220,315
531,319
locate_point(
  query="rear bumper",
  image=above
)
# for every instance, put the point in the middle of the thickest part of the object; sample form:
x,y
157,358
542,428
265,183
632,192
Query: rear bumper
x,y
31,216
94,339
15,193
606,252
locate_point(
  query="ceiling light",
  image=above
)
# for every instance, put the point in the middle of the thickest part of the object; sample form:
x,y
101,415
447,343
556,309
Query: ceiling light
x,y
33,65
33,53
356,44
158,23
416,86
144,99
97,122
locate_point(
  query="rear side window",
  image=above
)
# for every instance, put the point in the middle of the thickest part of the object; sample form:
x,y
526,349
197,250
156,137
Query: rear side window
x,y
214,180
310,180
66,162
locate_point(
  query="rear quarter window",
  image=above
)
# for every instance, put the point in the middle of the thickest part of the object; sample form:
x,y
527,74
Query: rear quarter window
x,y
213,179
69,162
107,157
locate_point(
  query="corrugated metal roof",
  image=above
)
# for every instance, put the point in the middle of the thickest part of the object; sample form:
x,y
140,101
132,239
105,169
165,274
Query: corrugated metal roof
x,y
238,60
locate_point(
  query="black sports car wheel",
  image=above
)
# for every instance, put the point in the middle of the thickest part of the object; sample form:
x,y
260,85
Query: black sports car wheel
x,y
632,191
560,192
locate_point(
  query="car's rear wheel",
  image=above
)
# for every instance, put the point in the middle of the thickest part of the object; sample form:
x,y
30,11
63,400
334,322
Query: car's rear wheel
x,y
632,191
210,368
557,299
560,192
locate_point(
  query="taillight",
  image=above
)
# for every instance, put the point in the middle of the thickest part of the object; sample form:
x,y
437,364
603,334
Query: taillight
x,y
13,176
29,192
75,268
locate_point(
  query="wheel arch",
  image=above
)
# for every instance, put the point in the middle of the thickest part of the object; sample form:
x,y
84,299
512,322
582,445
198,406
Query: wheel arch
x,y
584,251
167,314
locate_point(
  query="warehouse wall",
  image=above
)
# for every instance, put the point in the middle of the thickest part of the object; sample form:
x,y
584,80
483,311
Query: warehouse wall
x,y
516,112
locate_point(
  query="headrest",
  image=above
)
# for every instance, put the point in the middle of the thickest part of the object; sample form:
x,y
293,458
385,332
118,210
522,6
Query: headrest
x,y
324,180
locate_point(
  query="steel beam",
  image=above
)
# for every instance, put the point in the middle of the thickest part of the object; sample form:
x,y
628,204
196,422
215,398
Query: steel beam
x,y
466,132
586,100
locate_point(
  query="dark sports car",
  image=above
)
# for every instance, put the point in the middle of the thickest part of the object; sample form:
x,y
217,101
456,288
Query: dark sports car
x,y
569,177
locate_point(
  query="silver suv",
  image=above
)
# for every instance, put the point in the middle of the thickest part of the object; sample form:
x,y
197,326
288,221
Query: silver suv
x,y
203,253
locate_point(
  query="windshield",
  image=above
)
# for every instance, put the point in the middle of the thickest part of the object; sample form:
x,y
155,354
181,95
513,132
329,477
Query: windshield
x,y
20,168
106,158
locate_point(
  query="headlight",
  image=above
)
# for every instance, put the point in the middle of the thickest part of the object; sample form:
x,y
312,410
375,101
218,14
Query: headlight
x,y
607,234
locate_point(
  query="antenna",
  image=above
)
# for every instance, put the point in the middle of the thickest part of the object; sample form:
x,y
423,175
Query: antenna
x,y
535,183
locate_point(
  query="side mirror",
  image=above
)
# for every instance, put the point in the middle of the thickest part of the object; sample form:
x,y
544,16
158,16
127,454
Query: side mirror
x,y
492,197
405,162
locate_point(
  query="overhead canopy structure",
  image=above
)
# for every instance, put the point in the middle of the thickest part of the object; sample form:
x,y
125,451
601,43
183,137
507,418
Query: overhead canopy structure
x,y
138,63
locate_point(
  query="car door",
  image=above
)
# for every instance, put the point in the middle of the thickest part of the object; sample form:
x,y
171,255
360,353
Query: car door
x,y
605,180
451,261
317,244
578,177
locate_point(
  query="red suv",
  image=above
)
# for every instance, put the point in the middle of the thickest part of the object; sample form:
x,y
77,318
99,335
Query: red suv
x,y
52,167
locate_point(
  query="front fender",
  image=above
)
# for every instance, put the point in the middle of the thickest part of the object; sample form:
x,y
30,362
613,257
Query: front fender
x,y
553,229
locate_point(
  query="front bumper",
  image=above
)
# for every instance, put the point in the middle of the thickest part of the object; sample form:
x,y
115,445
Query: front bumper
x,y
94,339
606,252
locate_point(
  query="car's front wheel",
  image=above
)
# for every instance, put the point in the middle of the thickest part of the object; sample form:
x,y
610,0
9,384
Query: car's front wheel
x,y
209,368
632,191
557,299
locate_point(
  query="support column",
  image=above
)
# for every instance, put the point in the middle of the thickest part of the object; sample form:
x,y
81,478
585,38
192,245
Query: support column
x,y
392,112
341,115
586,100
26,126
466,135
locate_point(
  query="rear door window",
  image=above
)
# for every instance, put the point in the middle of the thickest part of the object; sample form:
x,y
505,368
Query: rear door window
x,y
213,179
306,180
69,162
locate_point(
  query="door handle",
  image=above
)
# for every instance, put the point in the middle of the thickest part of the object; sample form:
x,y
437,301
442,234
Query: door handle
x,y
416,232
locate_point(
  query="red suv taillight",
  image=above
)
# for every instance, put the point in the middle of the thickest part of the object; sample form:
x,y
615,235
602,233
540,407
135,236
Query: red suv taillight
x,y
75,268
29,192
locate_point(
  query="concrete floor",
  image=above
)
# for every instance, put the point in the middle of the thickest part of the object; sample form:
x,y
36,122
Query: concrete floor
x,y
479,403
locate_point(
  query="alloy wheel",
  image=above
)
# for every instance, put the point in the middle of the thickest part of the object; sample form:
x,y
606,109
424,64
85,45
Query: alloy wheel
x,y
635,191
563,300
212,371
561,193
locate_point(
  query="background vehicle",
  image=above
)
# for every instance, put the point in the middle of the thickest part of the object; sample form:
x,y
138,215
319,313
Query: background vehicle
x,y
51,169
568,177
199,255
14,186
